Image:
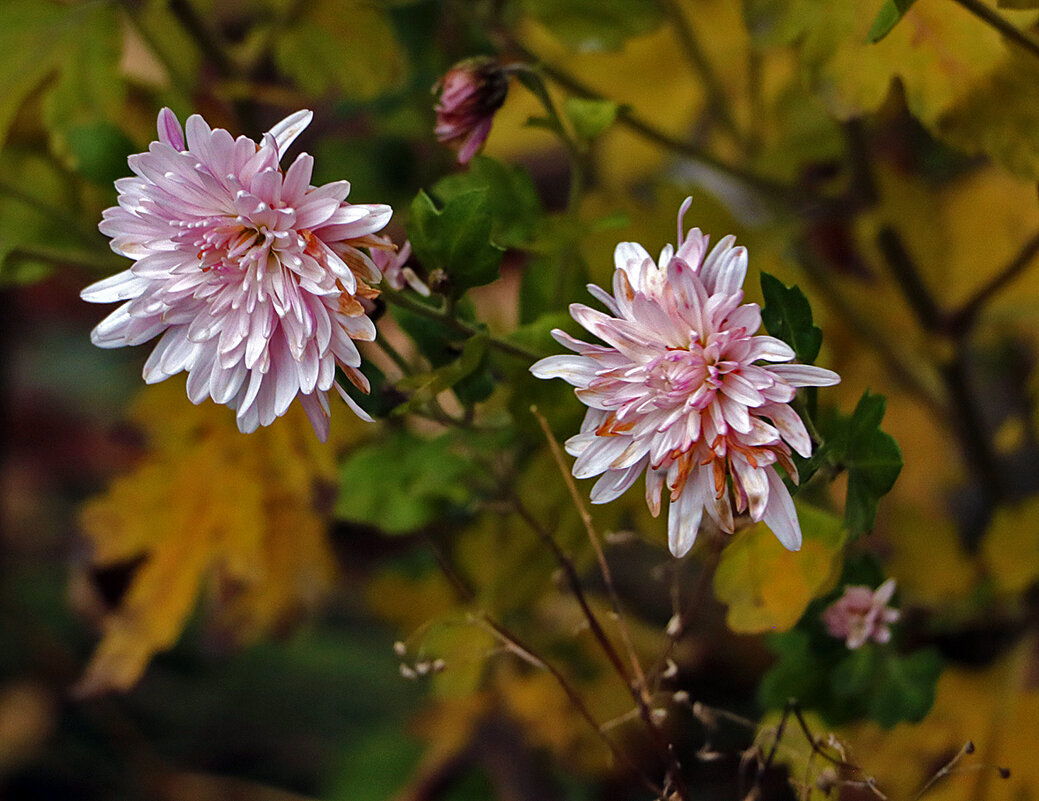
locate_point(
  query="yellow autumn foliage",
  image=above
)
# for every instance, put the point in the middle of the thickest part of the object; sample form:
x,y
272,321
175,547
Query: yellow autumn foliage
x,y
238,519
767,587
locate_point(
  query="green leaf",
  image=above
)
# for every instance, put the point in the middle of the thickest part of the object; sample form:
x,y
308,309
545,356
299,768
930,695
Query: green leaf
x,y
348,45
788,316
873,460
590,117
456,238
887,18
38,229
906,688
81,42
595,25
512,200
425,387
403,482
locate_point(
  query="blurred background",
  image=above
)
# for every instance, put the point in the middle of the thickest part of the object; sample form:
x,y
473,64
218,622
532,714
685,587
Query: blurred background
x,y
191,613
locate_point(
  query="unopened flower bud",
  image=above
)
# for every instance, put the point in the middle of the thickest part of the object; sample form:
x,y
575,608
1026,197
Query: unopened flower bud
x,y
470,93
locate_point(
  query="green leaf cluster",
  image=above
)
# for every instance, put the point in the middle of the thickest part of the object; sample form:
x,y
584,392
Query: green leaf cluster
x,y
871,457
456,238
873,681
787,315
402,482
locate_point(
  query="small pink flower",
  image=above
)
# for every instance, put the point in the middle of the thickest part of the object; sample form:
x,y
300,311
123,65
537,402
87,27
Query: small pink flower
x,y
862,614
683,391
470,93
252,277
392,263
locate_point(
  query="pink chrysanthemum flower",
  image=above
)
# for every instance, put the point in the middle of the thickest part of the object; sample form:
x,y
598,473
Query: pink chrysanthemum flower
x,y
862,614
684,391
393,264
470,93
252,276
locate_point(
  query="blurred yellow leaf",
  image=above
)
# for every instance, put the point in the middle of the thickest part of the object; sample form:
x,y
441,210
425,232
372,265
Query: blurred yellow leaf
x,y
996,708
1000,116
1010,547
939,51
927,558
767,587
209,508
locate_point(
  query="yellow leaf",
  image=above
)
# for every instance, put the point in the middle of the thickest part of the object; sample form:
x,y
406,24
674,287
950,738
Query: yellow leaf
x,y
927,558
938,50
239,516
996,708
1010,547
768,587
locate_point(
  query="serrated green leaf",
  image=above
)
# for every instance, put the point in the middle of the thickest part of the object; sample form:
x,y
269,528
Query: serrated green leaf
x,y
512,200
456,238
906,688
595,25
887,18
590,117
402,482
787,315
874,461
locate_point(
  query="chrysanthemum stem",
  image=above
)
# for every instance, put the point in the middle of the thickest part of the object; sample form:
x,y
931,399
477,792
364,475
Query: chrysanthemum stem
x,y
716,99
891,358
440,314
78,258
530,654
767,187
639,687
1002,24
593,538
72,223
962,321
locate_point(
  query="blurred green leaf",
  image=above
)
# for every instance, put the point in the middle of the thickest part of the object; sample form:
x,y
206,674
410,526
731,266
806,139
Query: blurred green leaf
x,y
1018,3
377,767
456,238
426,386
590,117
906,688
348,45
81,42
787,315
512,201
887,18
402,482
591,25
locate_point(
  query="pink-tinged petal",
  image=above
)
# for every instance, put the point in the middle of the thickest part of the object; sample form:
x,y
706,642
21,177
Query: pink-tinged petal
x,y
615,483
286,131
725,269
654,487
780,514
790,426
575,370
121,286
803,375
683,522
633,259
604,297
170,132
598,456
769,349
